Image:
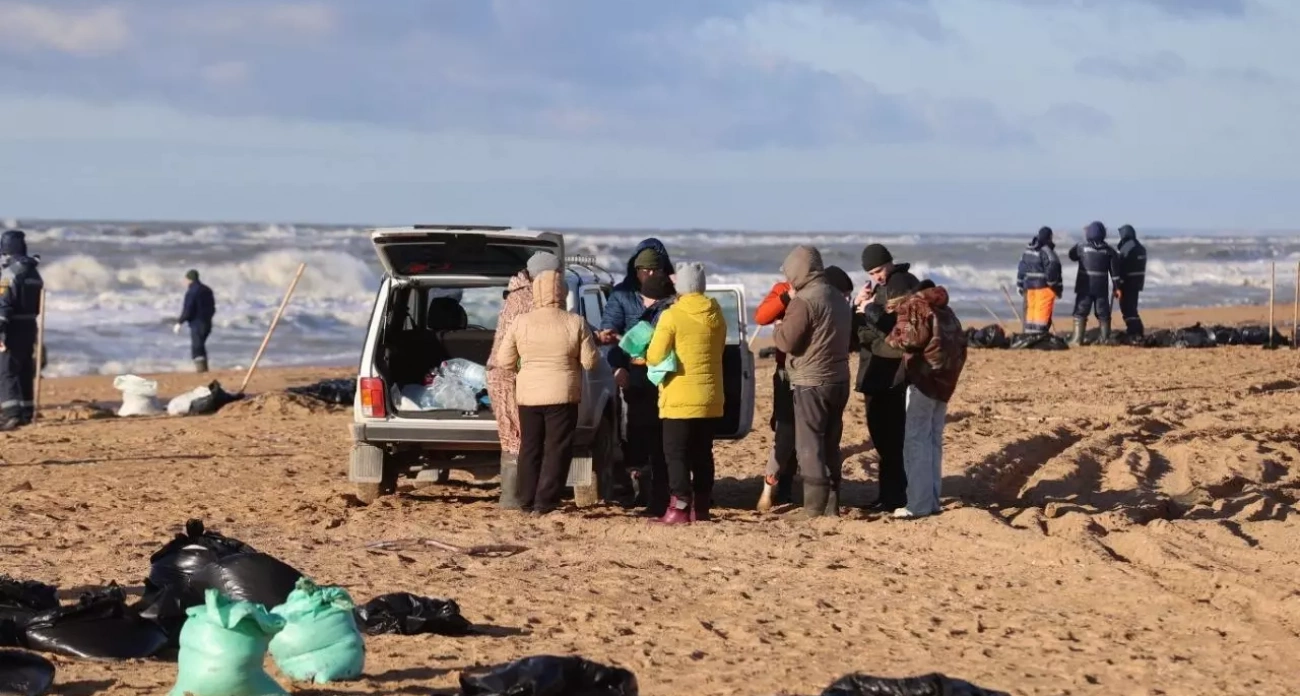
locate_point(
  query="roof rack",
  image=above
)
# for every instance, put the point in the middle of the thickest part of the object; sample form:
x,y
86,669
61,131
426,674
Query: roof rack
x,y
589,263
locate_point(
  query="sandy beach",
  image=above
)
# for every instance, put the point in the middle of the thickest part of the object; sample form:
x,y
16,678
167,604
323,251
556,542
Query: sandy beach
x,y
1116,521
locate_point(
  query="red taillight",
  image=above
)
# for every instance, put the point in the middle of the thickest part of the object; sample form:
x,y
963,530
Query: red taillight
x,y
372,398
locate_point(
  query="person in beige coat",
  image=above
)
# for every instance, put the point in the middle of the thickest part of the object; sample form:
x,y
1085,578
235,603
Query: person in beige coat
x,y
549,347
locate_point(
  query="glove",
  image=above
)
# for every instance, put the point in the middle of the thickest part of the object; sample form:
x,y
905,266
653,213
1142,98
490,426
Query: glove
x,y
176,329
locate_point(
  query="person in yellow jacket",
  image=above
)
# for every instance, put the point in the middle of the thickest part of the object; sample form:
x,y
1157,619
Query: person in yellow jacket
x,y
693,332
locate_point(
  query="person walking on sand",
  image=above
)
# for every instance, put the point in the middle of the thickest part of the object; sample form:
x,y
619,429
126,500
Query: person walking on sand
x,y
778,480
879,368
20,308
1098,268
627,305
816,337
1039,280
693,332
551,347
501,382
934,344
1133,271
197,311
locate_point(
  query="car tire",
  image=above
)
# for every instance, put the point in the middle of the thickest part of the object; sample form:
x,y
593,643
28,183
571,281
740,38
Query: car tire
x,y
373,470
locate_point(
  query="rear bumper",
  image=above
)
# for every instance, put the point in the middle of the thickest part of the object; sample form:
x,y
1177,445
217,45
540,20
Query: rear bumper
x,y
420,433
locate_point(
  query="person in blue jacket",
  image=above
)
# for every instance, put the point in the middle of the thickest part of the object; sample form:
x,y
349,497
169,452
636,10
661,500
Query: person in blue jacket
x,y
1099,266
1133,269
199,308
642,295
20,307
1038,278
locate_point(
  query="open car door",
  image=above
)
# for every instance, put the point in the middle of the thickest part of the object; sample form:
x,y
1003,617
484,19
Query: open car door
x,y
466,252
737,364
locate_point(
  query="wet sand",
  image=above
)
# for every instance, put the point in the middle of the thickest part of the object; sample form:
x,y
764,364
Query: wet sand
x,y
1117,521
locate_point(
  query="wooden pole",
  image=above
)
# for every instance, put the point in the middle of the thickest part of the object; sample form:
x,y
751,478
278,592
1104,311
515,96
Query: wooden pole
x,y
1272,295
996,318
1007,294
40,357
278,313
1295,310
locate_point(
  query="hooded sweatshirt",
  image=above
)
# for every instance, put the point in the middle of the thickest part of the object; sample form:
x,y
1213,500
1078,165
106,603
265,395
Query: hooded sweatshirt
x,y
1040,267
20,289
551,346
933,342
695,328
1132,260
817,329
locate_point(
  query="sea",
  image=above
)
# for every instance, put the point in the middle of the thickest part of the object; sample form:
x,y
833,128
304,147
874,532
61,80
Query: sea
x,y
114,289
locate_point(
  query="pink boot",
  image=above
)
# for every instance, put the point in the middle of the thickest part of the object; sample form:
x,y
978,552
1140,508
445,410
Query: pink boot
x,y
679,512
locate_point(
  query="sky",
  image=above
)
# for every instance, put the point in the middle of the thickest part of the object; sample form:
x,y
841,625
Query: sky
x,y
900,115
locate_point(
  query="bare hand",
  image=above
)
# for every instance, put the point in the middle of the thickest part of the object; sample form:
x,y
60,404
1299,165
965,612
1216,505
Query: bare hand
x,y
606,337
621,378
864,296
3,347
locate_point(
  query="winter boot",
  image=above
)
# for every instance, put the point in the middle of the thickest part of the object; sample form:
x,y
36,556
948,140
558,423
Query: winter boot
x,y
816,498
1080,326
10,423
1103,337
679,512
200,365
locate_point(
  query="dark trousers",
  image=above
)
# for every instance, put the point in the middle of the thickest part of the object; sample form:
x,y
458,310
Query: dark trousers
x,y
819,426
17,375
643,450
1085,304
545,451
1128,308
199,332
688,447
887,425
784,456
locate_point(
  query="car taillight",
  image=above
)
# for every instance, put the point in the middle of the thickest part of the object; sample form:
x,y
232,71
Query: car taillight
x,y
372,398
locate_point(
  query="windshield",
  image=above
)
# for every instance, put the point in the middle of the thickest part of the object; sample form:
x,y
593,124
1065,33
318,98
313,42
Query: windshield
x,y
481,305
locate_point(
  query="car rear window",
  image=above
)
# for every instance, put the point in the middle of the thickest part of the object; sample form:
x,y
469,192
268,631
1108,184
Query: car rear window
x,y
462,255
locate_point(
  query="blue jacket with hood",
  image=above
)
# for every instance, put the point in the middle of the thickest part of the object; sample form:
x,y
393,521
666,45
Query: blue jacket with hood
x,y
1132,260
1098,263
20,290
1040,267
624,307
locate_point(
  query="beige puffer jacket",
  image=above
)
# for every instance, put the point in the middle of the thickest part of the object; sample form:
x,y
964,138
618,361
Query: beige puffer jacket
x,y
550,346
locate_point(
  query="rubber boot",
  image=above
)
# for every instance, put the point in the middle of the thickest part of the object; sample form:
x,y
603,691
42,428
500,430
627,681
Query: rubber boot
x,y
816,498
833,503
509,481
1080,327
679,512
1104,336
9,423
200,365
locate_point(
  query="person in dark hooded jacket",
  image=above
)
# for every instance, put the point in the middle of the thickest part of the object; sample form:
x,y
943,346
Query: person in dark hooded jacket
x,y
20,307
1098,268
1133,271
879,368
643,294
197,310
1039,281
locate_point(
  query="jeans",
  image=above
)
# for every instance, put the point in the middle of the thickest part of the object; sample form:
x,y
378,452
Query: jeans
x,y
545,452
923,451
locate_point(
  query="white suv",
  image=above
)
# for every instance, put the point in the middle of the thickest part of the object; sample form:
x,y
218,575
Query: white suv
x,y
417,323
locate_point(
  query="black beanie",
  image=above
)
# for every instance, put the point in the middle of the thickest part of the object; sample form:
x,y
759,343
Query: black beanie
x,y
875,256
838,279
1044,235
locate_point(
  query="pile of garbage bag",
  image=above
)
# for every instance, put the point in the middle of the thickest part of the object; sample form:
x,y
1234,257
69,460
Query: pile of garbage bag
x,y
408,615
548,675
99,625
991,336
1195,336
1038,341
201,401
331,391
25,674
927,685
455,385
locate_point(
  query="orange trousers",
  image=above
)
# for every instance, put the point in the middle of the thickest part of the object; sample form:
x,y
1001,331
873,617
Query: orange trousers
x,y
1039,304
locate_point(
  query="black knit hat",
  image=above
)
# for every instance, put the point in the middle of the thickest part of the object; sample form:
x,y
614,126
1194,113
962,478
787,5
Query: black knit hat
x,y
838,279
875,256
191,275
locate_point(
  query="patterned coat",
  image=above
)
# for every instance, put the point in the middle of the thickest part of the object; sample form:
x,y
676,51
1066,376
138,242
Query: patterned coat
x,y
501,383
933,342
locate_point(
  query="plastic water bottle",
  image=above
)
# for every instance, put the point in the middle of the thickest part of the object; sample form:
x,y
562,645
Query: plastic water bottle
x,y
471,373
449,394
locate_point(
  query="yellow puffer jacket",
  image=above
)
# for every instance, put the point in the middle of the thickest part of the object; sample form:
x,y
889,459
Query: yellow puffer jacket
x,y
695,329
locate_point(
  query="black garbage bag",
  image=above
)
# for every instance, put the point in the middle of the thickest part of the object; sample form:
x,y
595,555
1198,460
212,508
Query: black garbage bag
x,y
99,627
408,615
214,401
175,565
1225,335
1258,336
1163,338
24,674
547,675
166,609
248,577
331,391
927,685
1195,336
22,599
987,337
1038,341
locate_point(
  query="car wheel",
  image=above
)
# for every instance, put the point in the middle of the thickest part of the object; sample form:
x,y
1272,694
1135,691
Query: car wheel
x,y
373,470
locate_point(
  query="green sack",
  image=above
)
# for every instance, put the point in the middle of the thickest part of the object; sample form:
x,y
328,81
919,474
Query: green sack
x,y
658,373
320,641
637,339
223,646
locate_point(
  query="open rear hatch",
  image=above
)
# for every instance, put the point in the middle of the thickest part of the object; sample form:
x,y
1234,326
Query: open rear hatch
x,y
466,252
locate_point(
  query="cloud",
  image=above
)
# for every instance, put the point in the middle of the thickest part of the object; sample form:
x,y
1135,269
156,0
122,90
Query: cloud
x,y
1184,9
1159,67
1248,77
673,72
85,32
1075,118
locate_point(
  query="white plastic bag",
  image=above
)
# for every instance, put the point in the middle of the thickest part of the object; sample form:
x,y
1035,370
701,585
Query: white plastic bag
x,y
451,394
139,396
180,406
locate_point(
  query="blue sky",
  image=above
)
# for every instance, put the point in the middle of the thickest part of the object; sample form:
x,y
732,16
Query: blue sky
x,y
924,115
